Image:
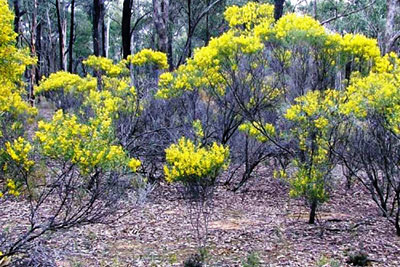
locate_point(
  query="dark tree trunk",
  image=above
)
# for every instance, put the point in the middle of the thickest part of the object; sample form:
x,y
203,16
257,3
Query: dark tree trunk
x,y
96,21
190,28
98,35
60,35
71,38
170,50
17,19
98,28
278,11
126,28
103,29
397,214
313,212
39,51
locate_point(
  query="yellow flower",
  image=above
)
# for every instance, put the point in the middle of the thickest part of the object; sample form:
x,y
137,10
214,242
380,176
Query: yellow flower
x,y
105,64
187,161
134,164
321,122
149,56
19,152
88,145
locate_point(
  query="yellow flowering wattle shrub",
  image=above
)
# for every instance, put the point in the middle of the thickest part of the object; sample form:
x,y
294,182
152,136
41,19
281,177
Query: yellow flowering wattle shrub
x,y
370,150
13,63
106,65
249,15
377,94
74,169
215,67
86,136
286,81
148,56
360,46
89,145
314,118
196,168
19,152
67,82
210,65
190,163
117,94
117,97
15,111
18,163
206,68
13,60
294,26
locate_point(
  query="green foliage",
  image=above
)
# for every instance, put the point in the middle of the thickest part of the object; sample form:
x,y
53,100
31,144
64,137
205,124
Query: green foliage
x,y
83,37
326,261
252,260
358,259
368,21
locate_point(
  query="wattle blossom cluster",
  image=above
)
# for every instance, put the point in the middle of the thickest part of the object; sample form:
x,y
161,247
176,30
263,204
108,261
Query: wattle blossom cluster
x,y
15,111
148,56
188,162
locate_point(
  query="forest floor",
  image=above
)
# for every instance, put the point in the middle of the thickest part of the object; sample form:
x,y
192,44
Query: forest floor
x,y
260,221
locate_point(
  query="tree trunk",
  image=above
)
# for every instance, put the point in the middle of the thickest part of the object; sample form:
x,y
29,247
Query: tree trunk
x,y
107,39
170,50
313,212
190,28
391,6
17,19
278,9
60,25
315,9
192,24
51,59
103,30
126,28
161,18
71,38
397,214
33,52
98,28
39,51
98,36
